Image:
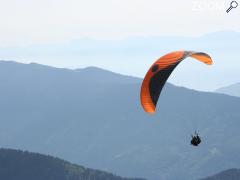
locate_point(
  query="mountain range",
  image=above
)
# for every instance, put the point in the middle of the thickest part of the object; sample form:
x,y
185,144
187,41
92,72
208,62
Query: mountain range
x,y
230,174
232,90
93,117
134,55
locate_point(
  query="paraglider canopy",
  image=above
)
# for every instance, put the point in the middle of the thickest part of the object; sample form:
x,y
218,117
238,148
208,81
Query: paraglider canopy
x,y
159,72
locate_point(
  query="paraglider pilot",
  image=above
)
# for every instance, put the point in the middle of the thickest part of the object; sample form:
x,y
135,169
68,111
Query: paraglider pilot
x,y
196,140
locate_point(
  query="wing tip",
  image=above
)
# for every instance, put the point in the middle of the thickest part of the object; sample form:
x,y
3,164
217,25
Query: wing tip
x,y
150,111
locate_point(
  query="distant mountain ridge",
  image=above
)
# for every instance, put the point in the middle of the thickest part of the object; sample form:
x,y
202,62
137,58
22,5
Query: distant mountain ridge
x,y
23,165
232,90
134,55
230,174
77,116
89,73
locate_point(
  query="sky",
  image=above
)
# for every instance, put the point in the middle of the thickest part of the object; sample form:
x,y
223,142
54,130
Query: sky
x,y
44,21
39,24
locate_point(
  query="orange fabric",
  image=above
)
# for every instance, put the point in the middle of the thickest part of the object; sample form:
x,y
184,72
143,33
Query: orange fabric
x,y
202,57
164,62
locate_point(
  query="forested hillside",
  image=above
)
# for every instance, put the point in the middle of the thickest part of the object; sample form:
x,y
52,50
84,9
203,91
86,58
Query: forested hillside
x,y
23,165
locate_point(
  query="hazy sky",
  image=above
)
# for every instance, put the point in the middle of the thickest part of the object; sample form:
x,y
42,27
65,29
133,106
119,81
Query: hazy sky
x,y
36,24
43,21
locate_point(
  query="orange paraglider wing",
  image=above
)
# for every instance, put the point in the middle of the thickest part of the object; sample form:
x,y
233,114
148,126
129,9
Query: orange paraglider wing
x,y
159,72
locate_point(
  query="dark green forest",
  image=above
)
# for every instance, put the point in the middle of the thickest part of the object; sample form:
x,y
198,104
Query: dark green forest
x,y
23,165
